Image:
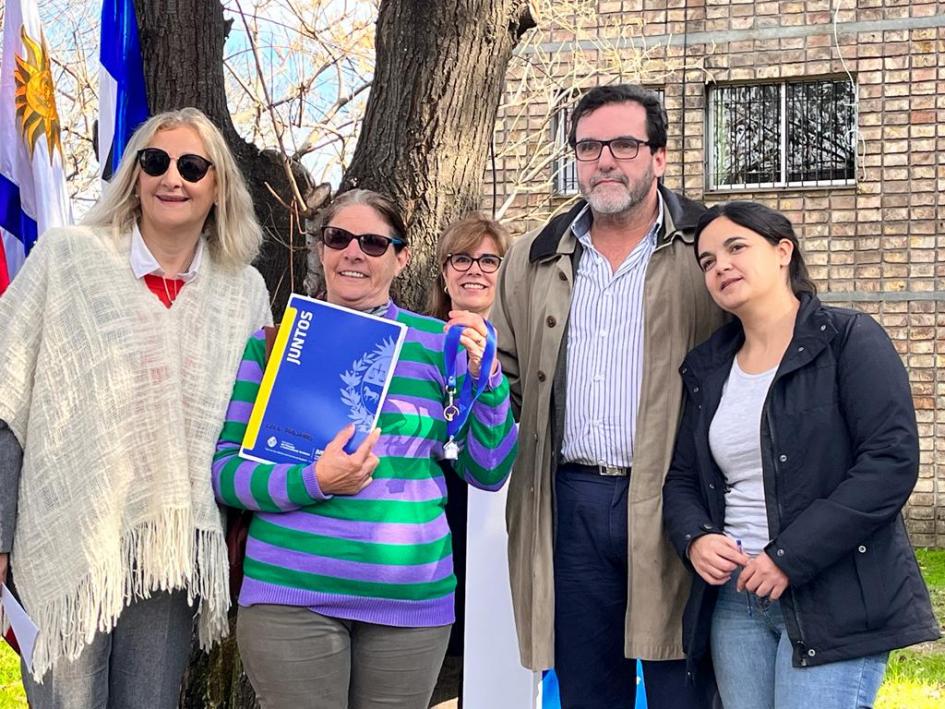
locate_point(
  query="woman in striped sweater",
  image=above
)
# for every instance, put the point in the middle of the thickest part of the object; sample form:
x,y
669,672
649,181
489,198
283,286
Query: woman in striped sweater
x,y
347,598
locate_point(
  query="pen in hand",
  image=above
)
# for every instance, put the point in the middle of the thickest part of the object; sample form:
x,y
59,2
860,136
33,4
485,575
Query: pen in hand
x,y
738,543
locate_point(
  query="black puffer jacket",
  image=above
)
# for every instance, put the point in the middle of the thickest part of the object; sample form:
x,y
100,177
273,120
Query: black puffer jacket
x,y
839,457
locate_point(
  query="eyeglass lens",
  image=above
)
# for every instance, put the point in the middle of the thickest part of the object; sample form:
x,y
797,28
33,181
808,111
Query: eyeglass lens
x,y
620,148
488,263
371,244
155,162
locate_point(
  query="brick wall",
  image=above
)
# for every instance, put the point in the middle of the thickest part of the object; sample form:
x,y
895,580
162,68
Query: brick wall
x,y
879,245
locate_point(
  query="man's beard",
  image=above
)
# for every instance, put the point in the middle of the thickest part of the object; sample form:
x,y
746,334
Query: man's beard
x,y
613,202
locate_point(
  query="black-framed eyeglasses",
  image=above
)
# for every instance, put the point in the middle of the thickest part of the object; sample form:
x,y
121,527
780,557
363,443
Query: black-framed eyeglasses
x,y
372,244
154,162
623,148
488,263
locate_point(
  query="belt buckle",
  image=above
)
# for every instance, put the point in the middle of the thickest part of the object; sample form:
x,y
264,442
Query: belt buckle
x,y
611,471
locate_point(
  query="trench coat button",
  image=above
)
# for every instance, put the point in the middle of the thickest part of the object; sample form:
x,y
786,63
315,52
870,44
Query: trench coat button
x,y
823,327
688,537
861,549
695,390
541,376
562,276
801,348
685,369
711,486
706,527
811,652
551,321
782,458
780,552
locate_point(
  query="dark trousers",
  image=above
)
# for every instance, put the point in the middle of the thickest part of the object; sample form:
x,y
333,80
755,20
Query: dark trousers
x,y
590,561
457,502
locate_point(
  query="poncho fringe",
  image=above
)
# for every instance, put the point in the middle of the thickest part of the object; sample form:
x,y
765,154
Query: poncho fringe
x,y
153,558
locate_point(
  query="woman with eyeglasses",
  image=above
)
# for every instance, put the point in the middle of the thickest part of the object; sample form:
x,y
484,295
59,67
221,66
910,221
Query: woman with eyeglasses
x,y
796,453
120,342
469,253
347,598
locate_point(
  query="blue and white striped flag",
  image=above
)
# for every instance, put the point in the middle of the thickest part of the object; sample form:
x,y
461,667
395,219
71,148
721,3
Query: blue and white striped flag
x,y
123,103
33,194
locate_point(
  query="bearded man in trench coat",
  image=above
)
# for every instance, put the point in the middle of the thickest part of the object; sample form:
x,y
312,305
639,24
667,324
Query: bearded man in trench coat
x,y
595,312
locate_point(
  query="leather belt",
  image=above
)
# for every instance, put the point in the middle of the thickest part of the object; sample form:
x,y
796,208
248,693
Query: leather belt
x,y
611,471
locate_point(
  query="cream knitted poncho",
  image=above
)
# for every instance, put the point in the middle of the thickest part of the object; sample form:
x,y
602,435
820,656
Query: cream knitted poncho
x,y
117,402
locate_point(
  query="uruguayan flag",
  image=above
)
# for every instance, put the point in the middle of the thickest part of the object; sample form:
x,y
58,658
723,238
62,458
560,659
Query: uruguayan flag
x,y
33,193
123,103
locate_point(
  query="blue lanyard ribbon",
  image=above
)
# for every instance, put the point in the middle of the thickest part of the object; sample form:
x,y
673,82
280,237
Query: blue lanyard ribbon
x,y
459,407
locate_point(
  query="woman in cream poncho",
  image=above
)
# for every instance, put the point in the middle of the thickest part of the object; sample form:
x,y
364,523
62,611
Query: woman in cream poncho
x,y
120,341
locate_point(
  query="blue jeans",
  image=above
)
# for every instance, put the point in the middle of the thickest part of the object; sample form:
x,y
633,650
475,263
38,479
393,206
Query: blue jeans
x,y
752,656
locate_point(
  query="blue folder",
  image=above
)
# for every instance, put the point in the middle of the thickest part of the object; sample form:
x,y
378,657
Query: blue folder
x,y
330,366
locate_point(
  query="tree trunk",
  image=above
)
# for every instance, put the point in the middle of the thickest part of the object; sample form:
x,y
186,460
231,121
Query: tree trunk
x,y
440,69
439,72
182,49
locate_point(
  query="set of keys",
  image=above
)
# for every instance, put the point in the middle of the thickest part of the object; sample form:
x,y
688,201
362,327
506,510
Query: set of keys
x,y
450,412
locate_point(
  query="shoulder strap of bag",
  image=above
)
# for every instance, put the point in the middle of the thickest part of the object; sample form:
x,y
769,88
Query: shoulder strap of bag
x,y
270,331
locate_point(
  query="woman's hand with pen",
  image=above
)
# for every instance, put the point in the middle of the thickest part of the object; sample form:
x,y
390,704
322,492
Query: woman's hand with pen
x,y
715,557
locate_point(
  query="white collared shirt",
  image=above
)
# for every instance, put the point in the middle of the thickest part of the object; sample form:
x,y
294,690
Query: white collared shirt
x,y
605,350
144,264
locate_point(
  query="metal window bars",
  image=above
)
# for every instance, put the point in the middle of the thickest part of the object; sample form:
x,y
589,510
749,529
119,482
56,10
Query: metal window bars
x,y
782,135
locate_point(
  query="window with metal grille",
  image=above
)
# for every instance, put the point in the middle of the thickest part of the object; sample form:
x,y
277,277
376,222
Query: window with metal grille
x,y
564,170
782,135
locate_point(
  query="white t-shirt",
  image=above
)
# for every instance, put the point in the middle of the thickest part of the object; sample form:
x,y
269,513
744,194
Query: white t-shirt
x,y
735,442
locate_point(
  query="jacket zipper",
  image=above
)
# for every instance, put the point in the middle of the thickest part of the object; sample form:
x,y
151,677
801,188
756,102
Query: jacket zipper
x,y
800,645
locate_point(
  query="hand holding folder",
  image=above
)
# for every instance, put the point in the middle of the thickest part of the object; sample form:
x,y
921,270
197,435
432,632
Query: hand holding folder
x,y
330,366
342,474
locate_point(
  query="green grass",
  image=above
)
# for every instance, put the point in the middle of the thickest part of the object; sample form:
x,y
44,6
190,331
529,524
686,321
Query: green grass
x,y
11,689
915,677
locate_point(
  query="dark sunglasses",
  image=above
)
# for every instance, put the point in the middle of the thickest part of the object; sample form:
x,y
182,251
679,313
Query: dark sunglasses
x,y
154,162
372,244
488,263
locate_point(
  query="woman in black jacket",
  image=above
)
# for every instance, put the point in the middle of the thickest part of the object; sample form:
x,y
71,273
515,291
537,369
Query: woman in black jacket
x,y
797,451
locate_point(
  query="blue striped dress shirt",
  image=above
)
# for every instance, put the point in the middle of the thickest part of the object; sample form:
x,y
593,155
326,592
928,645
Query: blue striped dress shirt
x,y
605,351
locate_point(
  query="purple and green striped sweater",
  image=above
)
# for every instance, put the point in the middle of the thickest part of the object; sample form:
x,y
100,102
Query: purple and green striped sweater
x,y
384,555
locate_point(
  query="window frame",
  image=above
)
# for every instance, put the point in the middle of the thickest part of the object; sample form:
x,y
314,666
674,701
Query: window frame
x,y
711,183
564,166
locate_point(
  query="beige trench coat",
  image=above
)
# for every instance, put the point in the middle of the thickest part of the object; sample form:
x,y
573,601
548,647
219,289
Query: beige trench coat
x,y
530,314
